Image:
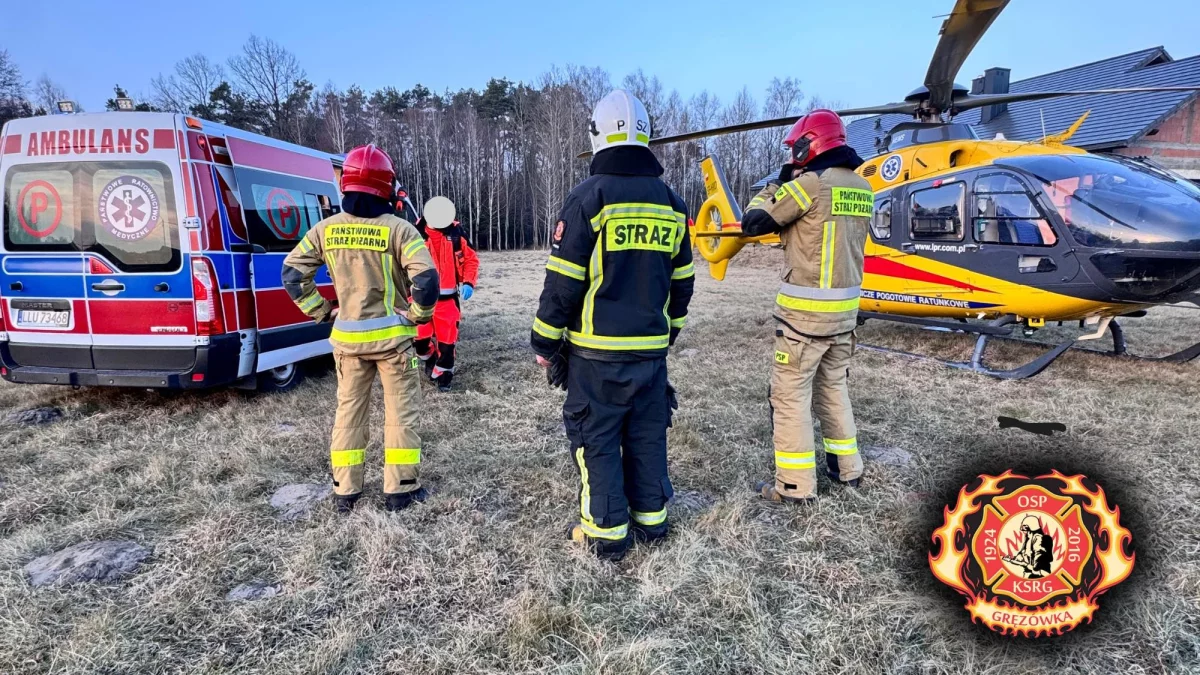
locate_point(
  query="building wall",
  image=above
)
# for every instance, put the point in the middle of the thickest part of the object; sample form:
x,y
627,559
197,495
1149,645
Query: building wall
x,y
1176,145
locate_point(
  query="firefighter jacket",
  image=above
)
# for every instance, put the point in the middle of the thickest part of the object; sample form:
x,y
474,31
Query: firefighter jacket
x,y
822,218
453,256
620,273
376,265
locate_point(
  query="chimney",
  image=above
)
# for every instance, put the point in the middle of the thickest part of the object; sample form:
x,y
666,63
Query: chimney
x,y
993,81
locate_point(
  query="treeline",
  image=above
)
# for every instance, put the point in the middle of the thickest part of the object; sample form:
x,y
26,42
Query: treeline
x,y
504,153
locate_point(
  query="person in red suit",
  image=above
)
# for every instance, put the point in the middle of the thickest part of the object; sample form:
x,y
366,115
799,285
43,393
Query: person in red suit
x,y
458,269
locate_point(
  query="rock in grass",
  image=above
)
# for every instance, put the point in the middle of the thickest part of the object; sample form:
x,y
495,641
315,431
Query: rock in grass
x,y
689,352
35,416
296,501
254,590
691,500
90,561
889,456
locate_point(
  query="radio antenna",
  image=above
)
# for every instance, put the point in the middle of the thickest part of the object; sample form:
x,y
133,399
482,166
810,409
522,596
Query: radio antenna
x,y
1042,112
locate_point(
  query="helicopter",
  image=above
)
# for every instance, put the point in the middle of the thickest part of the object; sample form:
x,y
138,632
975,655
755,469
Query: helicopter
x,y
989,236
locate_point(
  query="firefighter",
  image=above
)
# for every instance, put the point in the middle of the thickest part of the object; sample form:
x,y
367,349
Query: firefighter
x,y
616,294
377,261
821,210
458,270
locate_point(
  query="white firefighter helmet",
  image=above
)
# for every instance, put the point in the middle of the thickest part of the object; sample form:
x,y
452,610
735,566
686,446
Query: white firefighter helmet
x,y
439,213
1031,523
619,119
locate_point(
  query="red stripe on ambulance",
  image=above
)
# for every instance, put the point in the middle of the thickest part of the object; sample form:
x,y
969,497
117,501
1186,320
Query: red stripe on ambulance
x,y
142,317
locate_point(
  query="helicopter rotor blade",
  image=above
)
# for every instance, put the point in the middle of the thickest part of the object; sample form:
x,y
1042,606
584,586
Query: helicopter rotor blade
x,y
969,102
968,21
890,108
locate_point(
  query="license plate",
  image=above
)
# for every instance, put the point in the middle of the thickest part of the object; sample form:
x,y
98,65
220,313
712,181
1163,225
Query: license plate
x,y
43,318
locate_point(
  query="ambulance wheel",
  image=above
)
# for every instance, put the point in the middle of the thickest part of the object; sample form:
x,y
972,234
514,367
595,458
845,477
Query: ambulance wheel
x,y
283,378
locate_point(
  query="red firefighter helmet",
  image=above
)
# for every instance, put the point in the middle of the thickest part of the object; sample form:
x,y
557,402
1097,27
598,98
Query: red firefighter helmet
x,y
817,132
368,169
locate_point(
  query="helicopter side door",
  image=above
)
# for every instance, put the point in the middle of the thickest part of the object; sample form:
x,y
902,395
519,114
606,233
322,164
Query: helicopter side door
x,y
1014,239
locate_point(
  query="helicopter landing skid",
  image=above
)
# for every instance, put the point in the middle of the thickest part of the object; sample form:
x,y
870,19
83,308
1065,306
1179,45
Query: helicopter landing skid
x,y
1119,349
1001,328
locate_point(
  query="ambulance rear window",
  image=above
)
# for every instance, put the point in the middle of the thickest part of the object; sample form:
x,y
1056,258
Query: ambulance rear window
x,y
122,211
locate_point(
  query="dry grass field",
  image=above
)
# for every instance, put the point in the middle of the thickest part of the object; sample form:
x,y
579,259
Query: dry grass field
x,y
479,579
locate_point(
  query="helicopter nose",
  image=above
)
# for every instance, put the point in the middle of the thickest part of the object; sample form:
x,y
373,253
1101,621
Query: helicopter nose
x,y
1149,276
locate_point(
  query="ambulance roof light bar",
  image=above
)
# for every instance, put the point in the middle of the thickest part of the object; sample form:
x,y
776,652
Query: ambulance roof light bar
x,y
125,104
66,107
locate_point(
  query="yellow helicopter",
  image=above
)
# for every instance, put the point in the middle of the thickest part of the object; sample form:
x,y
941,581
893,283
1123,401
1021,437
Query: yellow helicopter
x,y
987,236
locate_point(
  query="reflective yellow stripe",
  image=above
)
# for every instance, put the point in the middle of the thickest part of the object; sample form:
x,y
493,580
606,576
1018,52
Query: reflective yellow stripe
x,y
588,525
389,286
822,306
798,194
643,138
405,456
828,245
679,323
305,245
329,262
636,210
566,268
589,300
618,343
848,446
687,271
412,247
616,138
310,302
373,335
340,458
617,533
795,460
652,518
546,330
418,312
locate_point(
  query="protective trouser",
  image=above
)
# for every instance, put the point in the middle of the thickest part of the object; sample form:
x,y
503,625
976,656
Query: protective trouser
x,y
812,373
616,416
437,338
399,371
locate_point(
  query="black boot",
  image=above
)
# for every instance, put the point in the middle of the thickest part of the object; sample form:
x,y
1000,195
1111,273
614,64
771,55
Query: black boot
x,y
344,504
443,381
403,500
650,534
605,549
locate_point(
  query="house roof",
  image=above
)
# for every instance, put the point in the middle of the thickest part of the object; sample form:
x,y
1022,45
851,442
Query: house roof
x,y
1116,119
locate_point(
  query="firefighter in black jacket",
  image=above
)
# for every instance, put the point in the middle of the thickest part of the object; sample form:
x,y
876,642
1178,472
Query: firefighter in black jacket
x,y
617,289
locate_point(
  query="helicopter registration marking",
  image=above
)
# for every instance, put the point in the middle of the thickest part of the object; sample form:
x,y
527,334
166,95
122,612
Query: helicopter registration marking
x,y
890,169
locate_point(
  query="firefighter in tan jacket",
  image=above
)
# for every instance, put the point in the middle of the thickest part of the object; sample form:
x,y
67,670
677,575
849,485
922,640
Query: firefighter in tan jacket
x,y
821,209
376,261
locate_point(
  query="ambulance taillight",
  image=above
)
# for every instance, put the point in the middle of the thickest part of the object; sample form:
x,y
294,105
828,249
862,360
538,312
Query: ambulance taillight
x,y
208,298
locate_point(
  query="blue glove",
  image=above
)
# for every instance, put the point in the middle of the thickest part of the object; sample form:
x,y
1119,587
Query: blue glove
x,y
467,291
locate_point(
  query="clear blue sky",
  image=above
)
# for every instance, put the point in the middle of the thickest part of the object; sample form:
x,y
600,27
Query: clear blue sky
x,y
856,52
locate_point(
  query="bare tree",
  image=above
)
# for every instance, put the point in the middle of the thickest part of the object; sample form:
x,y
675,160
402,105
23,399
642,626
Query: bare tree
x,y
47,93
188,90
13,103
335,117
269,75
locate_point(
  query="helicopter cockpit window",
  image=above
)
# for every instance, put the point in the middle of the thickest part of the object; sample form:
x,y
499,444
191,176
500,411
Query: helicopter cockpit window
x,y
937,213
881,221
1108,202
1006,214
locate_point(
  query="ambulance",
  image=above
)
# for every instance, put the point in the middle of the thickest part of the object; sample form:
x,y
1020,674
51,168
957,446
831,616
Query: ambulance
x,y
145,250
